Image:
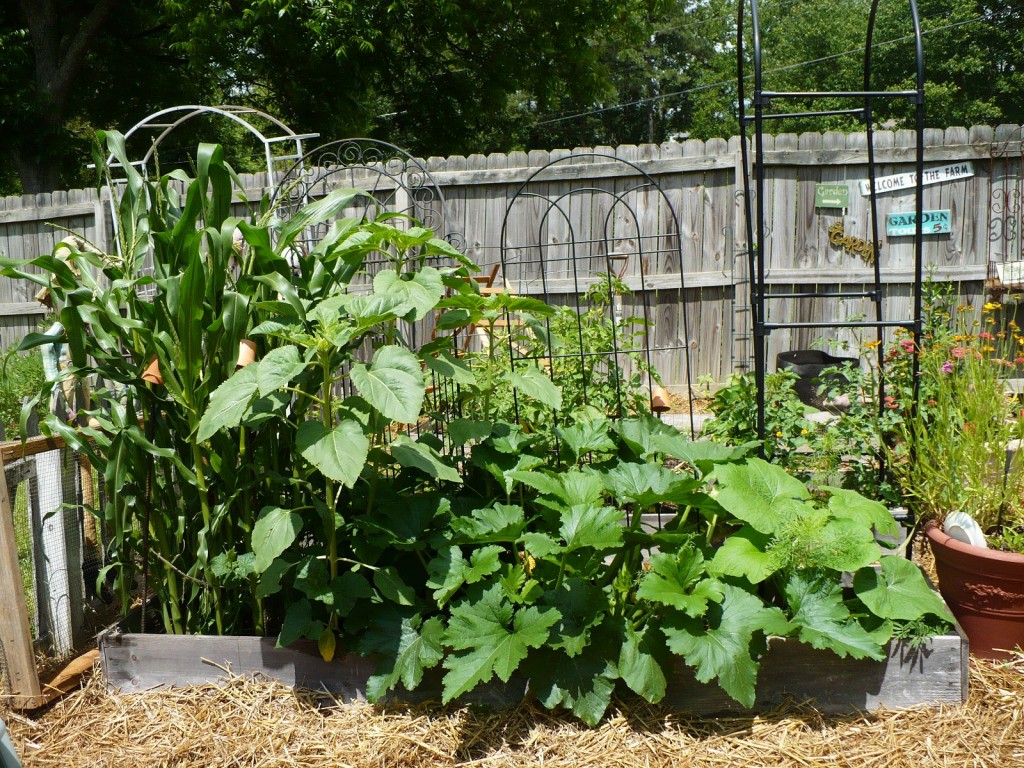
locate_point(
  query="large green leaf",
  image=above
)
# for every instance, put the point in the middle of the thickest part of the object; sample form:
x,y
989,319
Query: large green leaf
x,y
450,570
758,493
823,621
339,454
703,454
535,384
899,591
393,383
850,505
497,523
405,646
582,606
496,638
444,364
640,663
677,580
392,587
298,623
722,650
275,530
277,368
588,525
446,573
418,292
582,683
229,403
745,554
638,434
586,437
420,456
647,484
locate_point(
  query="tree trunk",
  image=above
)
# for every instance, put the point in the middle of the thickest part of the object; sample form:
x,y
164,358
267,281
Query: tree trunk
x,y
37,174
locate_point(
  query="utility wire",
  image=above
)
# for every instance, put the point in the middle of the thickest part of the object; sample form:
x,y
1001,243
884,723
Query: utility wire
x,y
722,83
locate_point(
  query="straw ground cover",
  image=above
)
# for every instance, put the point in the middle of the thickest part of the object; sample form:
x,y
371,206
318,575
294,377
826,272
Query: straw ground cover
x,y
258,723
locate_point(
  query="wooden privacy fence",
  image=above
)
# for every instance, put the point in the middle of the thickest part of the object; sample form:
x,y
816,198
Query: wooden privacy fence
x,y
703,184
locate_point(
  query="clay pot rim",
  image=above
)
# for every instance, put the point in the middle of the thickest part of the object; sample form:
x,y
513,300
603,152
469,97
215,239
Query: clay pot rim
x,y
938,536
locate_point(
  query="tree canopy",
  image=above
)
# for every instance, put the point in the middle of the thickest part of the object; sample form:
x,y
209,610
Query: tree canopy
x,y
458,76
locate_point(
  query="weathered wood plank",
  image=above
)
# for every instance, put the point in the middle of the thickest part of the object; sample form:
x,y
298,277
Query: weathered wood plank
x,y
45,212
936,673
15,633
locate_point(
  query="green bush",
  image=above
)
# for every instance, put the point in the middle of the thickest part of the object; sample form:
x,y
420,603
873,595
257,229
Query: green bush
x,y
21,375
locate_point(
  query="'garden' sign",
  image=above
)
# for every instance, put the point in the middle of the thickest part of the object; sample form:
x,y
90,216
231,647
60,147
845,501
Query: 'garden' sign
x,y
932,223
831,196
900,181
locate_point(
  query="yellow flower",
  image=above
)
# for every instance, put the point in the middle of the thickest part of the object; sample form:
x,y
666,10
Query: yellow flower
x,y
871,344
778,434
991,306
988,348
804,432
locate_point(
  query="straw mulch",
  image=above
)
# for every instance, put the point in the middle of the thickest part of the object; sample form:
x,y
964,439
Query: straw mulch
x,y
257,723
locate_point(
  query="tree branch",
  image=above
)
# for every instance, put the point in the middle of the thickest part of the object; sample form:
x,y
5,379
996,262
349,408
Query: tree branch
x,y
74,57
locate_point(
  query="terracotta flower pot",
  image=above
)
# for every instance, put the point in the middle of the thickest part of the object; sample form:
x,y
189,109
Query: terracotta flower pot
x,y
246,353
152,373
985,590
660,400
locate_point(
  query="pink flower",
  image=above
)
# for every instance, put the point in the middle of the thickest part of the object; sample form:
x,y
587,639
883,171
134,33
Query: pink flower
x,y
986,336
907,345
890,403
958,352
947,367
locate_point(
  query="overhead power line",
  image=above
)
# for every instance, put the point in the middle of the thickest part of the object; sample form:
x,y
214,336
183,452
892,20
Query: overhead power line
x,y
722,83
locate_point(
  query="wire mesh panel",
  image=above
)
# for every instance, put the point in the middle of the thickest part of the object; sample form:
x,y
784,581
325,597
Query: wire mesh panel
x,y
59,547
609,256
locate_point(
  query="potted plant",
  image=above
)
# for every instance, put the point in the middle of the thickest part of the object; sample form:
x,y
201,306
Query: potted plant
x,y
955,460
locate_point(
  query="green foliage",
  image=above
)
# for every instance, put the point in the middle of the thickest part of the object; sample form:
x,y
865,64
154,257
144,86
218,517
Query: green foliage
x,y
290,497
528,346
951,452
735,414
21,376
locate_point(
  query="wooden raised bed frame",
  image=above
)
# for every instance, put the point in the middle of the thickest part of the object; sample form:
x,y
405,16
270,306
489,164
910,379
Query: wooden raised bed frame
x,y
935,673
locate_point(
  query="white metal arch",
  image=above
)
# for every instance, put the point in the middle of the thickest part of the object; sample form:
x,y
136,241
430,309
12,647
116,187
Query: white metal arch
x,y
275,135
167,120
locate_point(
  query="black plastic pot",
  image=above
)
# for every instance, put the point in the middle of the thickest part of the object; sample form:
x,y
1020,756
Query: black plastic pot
x,y
809,365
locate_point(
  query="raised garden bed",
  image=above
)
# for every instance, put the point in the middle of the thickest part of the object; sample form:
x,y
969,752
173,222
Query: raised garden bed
x,y
934,673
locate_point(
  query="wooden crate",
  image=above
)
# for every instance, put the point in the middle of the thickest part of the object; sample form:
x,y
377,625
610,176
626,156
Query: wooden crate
x,y
935,673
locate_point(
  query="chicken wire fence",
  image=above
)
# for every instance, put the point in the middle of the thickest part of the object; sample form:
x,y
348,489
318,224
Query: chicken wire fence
x,y
60,548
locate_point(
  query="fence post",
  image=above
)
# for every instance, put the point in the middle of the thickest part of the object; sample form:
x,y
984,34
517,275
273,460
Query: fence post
x,y
15,632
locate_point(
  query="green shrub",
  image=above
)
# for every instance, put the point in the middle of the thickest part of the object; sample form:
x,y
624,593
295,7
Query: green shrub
x,y
21,375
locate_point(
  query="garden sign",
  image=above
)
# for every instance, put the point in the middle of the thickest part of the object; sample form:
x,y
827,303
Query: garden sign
x,y
905,224
962,170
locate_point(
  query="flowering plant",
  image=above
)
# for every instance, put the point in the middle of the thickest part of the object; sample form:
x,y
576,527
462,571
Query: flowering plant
x,y
950,453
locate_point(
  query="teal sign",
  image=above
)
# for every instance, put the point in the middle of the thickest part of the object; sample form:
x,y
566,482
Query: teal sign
x,y
905,224
831,196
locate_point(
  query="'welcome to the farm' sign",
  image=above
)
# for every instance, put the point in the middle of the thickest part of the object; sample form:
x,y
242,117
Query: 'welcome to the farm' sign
x,y
932,223
900,181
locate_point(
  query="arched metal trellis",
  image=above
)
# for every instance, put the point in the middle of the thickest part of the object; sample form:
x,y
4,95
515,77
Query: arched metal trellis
x,y
561,242
398,182
282,147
